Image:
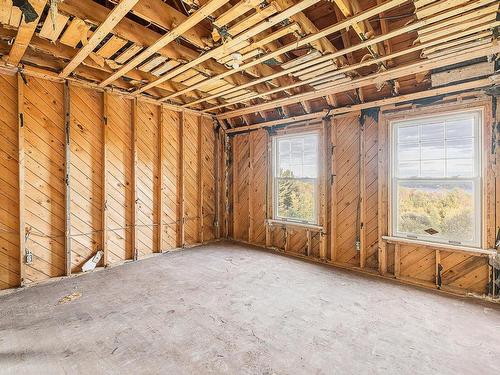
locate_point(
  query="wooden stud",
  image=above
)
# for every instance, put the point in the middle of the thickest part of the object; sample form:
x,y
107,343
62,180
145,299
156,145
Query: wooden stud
x,y
269,190
382,186
67,177
333,192
104,180
200,180
438,266
21,178
118,12
133,184
362,196
309,242
234,182
181,186
217,187
323,189
160,180
250,188
397,260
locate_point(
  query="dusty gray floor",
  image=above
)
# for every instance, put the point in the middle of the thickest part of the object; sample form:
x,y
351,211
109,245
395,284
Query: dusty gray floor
x,y
229,309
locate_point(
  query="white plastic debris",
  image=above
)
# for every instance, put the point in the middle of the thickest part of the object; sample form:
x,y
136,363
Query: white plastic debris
x,y
92,263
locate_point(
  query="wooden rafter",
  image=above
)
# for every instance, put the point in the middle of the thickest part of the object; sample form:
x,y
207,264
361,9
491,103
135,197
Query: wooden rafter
x,y
472,85
304,41
24,34
381,38
190,22
394,73
102,31
241,37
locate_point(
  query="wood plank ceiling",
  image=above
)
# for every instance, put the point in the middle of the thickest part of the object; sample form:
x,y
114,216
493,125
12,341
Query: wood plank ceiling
x,y
250,61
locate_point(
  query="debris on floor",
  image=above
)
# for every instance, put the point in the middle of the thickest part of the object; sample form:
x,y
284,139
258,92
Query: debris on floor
x,y
69,298
92,263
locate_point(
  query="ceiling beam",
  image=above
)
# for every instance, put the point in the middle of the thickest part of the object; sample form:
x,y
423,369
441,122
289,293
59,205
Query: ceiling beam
x,y
233,42
323,44
143,36
301,42
102,31
24,34
394,73
198,16
381,38
473,85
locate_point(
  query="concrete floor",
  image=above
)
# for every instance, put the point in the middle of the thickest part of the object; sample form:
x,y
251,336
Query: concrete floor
x,y
230,309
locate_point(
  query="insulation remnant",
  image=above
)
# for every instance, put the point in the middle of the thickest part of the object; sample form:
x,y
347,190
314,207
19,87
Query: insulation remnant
x,y
30,15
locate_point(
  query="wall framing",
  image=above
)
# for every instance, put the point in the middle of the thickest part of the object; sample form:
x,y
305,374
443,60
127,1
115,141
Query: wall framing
x,y
84,170
357,174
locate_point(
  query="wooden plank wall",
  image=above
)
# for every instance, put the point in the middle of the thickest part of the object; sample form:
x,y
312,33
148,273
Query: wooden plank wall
x,y
9,186
110,163
359,163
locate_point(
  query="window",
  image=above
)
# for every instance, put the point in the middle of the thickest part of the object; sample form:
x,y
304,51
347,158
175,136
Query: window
x,y
295,171
436,179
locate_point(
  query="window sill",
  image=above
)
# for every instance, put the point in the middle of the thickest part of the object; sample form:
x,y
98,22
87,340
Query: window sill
x,y
447,247
292,224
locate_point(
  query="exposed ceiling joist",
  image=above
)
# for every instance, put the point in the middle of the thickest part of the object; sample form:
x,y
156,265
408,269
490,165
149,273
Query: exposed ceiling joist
x,y
198,16
102,31
24,34
394,73
411,27
306,40
238,39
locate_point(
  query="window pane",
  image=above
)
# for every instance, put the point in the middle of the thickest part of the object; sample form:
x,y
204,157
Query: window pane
x,y
460,148
432,132
441,210
460,167
408,151
296,151
432,168
460,128
408,169
432,150
407,134
296,199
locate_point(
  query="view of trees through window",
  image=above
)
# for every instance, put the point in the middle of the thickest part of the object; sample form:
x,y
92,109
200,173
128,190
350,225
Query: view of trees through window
x,y
439,210
436,178
295,179
295,198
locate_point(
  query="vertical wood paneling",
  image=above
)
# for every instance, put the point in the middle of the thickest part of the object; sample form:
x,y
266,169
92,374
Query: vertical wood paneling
x,y
45,187
192,170
208,168
147,177
241,176
259,141
171,189
119,178
86,174
348,189
371,193
9,186
101,155
416,264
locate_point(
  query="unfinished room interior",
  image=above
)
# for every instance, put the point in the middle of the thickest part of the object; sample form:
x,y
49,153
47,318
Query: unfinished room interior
x,y
249,187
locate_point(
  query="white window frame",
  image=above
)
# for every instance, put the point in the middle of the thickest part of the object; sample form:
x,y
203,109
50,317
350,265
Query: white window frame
x,y
275,178
477,180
